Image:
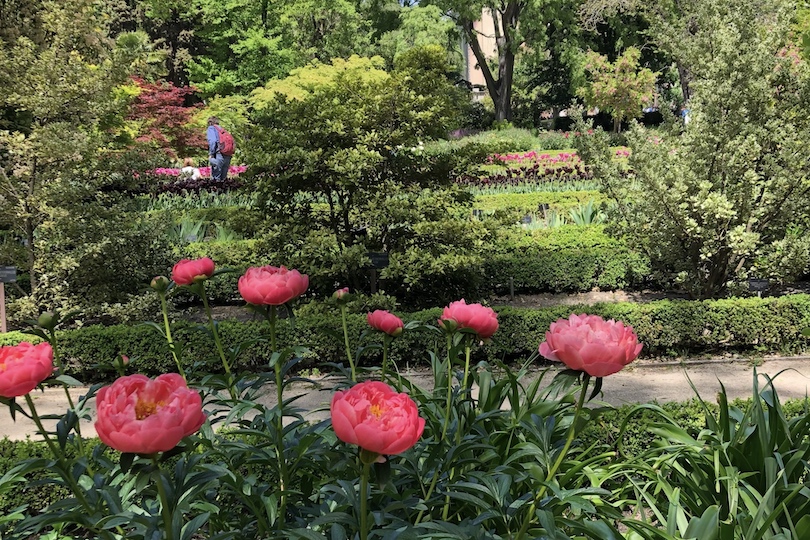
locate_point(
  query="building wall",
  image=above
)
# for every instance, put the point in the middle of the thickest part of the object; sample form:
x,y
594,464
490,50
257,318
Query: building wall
x,y
485,27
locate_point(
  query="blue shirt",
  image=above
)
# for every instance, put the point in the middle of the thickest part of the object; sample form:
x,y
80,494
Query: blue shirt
x,y
212,134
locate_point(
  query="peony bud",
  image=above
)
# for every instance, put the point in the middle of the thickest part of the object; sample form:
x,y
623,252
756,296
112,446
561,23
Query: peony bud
x,y
160,284
48,320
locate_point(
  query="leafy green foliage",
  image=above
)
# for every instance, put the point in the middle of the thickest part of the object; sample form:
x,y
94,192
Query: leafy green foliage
x,y
303,82
621,88
420,26
708,204
666,327
742,475
63,172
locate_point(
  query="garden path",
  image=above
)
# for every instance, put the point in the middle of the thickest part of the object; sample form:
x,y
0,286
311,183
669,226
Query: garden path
x,y
641,382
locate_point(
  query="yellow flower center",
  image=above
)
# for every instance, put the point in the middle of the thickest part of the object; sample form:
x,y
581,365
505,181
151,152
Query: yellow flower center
x,y
145,409
9,361
376,410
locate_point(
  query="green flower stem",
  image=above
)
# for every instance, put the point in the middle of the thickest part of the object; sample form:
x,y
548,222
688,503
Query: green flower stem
x,y
560,458
467,351
60,457
272,317
346,341
386,341
217,340
60,365
449,386
364,501
164,308
165,509
446,422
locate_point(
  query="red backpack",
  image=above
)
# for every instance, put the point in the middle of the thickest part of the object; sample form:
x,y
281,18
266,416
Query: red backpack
x,y
226,142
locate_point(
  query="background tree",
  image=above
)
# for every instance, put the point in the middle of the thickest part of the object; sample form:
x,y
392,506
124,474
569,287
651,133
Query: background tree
x,y
514,22
241,46
724,200
57,171
419,26
621,88
162,119
350,143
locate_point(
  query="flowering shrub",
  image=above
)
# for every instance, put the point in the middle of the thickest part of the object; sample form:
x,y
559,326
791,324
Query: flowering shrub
x,y
501,462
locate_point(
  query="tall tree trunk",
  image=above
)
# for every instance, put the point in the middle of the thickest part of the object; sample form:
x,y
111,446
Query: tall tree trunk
x,y
29,237
499,90
683,78
30,225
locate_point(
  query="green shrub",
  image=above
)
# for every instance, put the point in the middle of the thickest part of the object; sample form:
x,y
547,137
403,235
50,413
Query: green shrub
x,y
473,151
242,220
236,255
12,338
559,270
553,140
529,202
665,327
426,272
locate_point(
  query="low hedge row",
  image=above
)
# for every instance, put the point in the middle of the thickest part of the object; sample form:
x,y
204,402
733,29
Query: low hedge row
x,y
666,327
560,201
566,270
564,259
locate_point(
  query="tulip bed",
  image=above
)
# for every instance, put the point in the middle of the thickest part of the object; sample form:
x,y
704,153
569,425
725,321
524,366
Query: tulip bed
x,y
482,455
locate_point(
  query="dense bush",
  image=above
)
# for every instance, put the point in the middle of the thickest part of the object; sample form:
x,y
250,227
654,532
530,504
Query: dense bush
x,y
559,270
666,327
437,262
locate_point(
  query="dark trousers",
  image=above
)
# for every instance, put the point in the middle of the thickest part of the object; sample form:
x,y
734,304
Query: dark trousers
x,y
219,167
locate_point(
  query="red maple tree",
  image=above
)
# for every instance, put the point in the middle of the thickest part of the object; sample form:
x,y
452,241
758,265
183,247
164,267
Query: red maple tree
x,y
160,106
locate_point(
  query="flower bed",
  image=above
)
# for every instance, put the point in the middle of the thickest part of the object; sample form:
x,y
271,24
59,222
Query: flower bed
x,y
533,168
507,461
233,170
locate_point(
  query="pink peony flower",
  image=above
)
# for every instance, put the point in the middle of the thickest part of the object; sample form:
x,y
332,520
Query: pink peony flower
x,y
482,320
188,271
589,343
386,322
271,286
144,416
23,367
376,418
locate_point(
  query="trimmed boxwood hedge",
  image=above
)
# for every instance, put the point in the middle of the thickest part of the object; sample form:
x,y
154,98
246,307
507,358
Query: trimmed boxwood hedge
x,y
565,259
666,327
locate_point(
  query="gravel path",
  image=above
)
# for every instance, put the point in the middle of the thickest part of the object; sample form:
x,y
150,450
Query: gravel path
x,y
642,382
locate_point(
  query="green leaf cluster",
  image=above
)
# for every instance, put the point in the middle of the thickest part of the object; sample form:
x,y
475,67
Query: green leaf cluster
x,y
714,204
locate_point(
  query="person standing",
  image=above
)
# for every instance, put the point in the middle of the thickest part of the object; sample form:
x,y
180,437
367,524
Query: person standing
x,y
219,161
